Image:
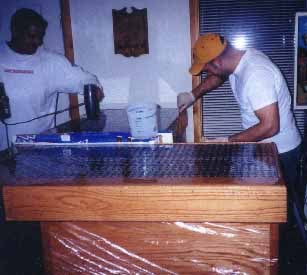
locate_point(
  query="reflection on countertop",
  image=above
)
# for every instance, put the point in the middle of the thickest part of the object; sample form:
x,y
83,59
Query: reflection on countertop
x,y
116,120
247,163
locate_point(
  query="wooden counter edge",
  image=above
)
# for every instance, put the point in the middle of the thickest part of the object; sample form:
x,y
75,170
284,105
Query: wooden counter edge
x,y
220,203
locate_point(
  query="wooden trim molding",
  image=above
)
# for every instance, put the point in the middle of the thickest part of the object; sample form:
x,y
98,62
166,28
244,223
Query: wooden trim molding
x,y
216,199
69,53
197,108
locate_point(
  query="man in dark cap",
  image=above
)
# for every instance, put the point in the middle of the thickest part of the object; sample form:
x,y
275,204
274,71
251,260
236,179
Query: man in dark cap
x,y
32,76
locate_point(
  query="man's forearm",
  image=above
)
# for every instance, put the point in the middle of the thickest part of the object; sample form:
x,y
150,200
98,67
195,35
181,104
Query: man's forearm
x,y
210,83
255,133
267,127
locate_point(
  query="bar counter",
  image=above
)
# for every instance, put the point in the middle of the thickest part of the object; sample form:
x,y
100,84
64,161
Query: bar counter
x,y
151,209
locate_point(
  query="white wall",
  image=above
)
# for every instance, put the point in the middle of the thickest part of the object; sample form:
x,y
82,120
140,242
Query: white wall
x,y
158,76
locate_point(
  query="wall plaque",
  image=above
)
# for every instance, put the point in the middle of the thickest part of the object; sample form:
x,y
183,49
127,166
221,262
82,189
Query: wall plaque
x,y
130,32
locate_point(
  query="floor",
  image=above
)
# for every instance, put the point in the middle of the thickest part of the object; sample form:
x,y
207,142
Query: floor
x,y
293,254
21,252
20,249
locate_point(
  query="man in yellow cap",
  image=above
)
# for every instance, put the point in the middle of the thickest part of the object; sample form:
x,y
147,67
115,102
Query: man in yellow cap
x,y
260,90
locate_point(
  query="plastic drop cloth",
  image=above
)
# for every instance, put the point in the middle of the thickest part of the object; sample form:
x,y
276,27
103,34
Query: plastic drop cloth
x,y
158,248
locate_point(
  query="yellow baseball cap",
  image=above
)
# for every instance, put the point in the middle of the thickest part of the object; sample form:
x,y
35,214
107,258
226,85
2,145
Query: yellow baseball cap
x,y
206,48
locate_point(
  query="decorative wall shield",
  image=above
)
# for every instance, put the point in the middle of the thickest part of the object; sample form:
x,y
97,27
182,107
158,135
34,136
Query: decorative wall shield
x,y
130,32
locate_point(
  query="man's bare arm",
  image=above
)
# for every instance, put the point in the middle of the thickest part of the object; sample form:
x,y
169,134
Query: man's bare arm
x,y
186,99
267,127
210,83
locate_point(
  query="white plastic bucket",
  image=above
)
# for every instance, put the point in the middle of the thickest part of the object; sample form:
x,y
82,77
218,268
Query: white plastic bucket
x,y
142,119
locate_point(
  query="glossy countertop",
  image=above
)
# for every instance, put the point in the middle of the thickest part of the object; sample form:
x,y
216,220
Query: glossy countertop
x,y
247,162
229,182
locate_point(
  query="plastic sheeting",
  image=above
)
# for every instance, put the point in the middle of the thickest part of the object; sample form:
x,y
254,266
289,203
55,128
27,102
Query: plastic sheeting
x,y
159,248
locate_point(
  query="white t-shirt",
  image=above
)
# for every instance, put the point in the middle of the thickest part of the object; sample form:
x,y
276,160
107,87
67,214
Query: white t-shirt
x,y
31,83
256,83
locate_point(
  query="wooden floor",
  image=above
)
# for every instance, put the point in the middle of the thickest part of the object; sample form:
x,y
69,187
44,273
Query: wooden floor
x,y
20,249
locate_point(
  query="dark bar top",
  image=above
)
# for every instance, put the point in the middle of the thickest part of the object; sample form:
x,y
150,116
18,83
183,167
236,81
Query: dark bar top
x,y
247,162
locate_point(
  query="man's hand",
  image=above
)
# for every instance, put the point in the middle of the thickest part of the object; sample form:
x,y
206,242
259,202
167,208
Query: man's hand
x,y
100,94
217,139
185,100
